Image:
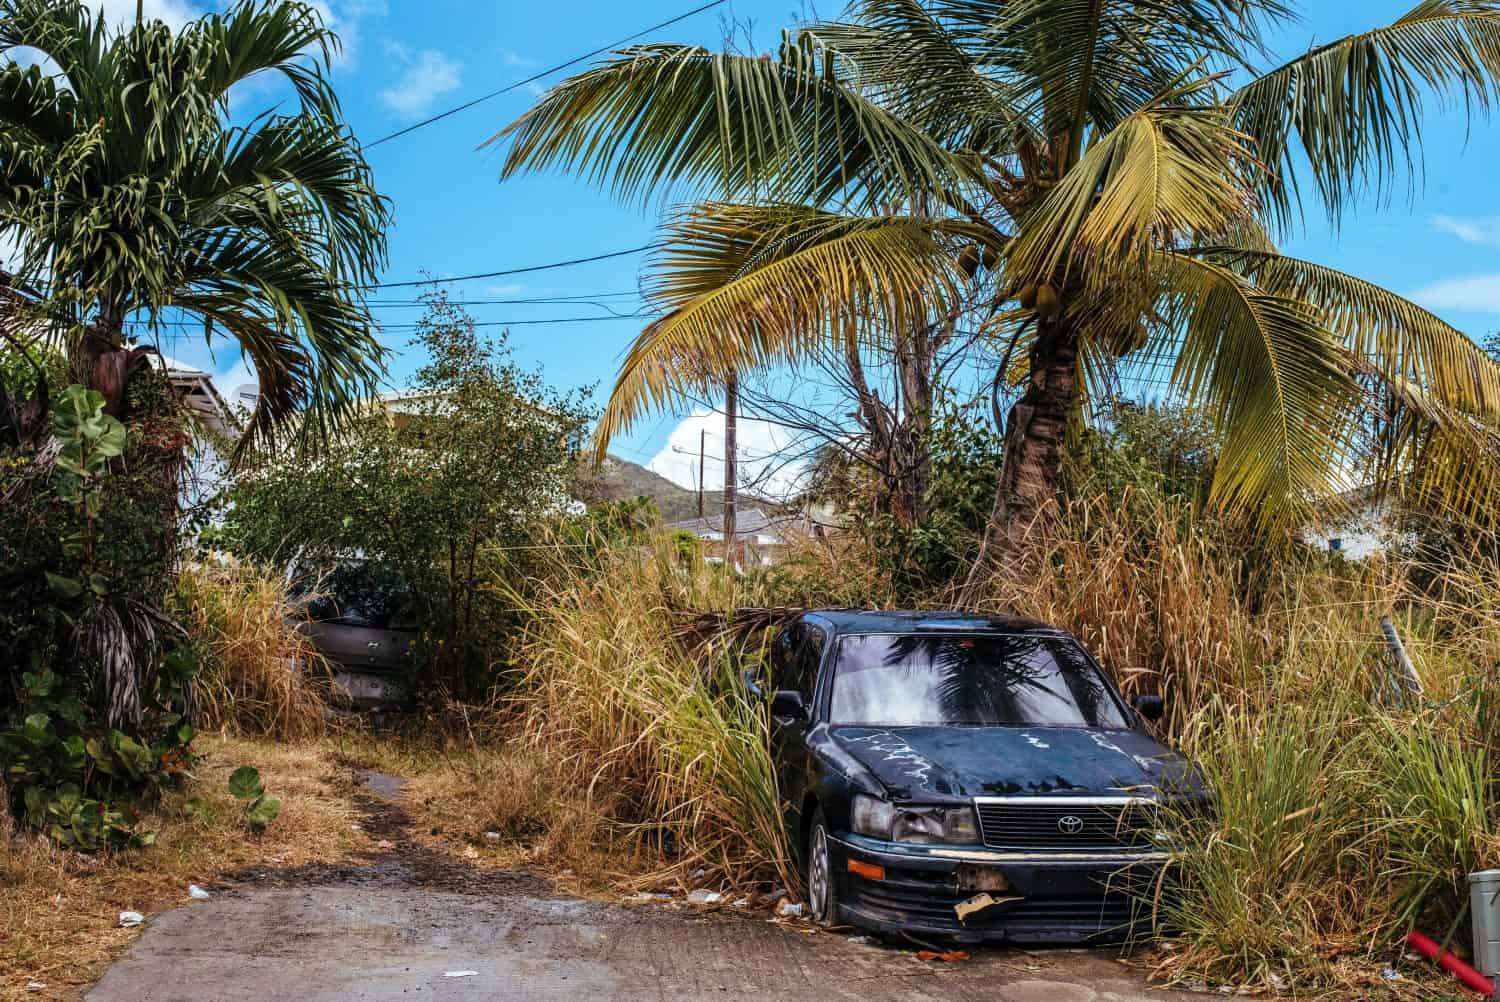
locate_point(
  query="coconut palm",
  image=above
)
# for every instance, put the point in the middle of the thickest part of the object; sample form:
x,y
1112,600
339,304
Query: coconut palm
x,y
1100,182
133,195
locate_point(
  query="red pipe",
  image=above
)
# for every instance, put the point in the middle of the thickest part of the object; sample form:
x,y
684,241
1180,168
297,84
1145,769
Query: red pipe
x,y
1460,970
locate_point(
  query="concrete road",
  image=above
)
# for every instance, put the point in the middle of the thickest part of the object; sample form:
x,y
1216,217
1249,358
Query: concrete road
x,y
403,924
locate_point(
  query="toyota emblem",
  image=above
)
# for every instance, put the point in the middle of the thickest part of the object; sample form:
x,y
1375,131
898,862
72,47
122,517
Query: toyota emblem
x,y
1070,824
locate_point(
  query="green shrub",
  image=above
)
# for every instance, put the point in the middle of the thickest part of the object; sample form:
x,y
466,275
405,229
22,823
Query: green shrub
x,y
448,489
93,713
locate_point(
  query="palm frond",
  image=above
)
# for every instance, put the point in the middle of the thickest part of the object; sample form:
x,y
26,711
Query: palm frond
x,y
1396,336
734,126
744,287
1352,109
1274,381
1090,64
906,59
312,346
1168,175
289,39
71,36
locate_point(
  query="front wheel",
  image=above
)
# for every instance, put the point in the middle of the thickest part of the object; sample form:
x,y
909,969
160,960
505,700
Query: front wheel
x,y
822,901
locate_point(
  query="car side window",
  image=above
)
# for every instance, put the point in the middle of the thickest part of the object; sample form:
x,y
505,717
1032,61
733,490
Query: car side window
x,y
784,660
809,656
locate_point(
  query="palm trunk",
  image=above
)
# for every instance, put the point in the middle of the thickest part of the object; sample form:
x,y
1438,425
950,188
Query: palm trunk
x,y
1035,435
912,444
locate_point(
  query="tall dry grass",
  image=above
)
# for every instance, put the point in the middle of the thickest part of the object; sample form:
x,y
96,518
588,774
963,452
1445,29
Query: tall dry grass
x,y
1344,816
259,676
670,763
636,748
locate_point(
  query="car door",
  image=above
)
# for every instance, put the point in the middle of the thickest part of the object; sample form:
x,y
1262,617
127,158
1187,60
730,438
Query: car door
x,y
800,649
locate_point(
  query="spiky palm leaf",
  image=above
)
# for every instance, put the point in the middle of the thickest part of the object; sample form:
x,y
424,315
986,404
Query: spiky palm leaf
x,y
132,195
1352,109
786,128
743,287
1097,142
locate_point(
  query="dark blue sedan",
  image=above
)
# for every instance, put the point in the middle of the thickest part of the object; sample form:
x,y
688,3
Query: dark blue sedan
x,y
967,777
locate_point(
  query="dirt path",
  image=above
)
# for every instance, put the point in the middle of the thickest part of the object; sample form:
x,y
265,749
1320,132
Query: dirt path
x,y
411,923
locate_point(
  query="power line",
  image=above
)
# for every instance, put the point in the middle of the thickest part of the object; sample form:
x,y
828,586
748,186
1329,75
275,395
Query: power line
x,y
511,271
188,324
583,297
545,73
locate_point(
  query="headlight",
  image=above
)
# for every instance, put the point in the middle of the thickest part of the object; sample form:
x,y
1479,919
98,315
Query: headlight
x,y
872,817
920,824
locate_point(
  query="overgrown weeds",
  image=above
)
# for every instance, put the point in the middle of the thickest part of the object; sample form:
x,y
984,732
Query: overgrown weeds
x,y
669,761
259,675
1345,813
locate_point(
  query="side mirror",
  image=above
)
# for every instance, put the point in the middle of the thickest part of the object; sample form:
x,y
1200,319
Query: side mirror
x,y
788,703
1151,707
752,686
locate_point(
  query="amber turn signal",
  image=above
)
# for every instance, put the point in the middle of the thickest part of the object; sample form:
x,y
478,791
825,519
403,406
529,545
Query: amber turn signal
x,y
867,870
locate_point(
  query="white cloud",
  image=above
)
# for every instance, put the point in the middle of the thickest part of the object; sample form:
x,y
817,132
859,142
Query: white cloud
x,y
510,58
512,289
122,12
1467,293
1482,230
346,18
429,75
762,449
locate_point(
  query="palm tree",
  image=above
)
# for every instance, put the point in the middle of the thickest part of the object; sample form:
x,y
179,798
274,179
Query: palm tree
x,y
1099,182
132,195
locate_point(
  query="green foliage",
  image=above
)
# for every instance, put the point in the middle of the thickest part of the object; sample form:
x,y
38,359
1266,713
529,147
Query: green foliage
x,y
1150,450
129,189
965,463
82,784
18,376
82,571
260,810
446,486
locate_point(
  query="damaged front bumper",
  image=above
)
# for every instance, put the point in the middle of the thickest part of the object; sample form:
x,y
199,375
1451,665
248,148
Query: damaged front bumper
x,y
1036,897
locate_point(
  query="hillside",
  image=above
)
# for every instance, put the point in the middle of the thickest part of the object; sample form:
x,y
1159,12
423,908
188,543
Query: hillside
x,y
620,479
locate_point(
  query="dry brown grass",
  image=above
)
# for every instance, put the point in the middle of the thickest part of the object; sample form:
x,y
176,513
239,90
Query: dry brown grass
x,y
260,674
61,909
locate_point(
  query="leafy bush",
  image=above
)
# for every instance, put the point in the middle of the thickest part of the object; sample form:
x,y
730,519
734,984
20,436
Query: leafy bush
x,y
965,465
95,706
445,487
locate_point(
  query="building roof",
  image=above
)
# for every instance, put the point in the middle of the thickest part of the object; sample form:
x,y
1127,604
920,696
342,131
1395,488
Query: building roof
x,y
201,396
747,521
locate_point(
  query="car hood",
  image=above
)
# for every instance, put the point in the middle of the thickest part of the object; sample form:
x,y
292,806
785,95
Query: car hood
x,y
913,762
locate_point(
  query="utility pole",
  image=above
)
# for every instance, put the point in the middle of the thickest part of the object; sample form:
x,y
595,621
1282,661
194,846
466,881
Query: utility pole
x,y
731,418
702,440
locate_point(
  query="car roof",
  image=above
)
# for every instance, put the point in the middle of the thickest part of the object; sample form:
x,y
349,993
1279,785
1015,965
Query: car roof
x,y
849,621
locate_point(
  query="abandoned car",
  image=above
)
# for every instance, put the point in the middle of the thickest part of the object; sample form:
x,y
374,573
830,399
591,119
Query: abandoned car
x,y
361,617
969,778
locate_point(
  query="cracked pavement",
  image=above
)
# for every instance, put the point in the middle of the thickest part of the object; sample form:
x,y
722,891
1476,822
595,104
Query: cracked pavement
x,y
395,926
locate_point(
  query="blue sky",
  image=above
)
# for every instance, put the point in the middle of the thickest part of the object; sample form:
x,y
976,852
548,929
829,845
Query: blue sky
x,y
405,60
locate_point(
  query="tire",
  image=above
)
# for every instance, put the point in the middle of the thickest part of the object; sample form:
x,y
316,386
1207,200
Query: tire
x,y
822,898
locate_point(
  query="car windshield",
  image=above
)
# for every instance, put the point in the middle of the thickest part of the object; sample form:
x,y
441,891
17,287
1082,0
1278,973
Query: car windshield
x,y
994,680
356,593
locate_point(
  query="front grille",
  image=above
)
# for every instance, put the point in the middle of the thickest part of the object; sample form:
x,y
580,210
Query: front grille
x,y
917,900
1055,825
